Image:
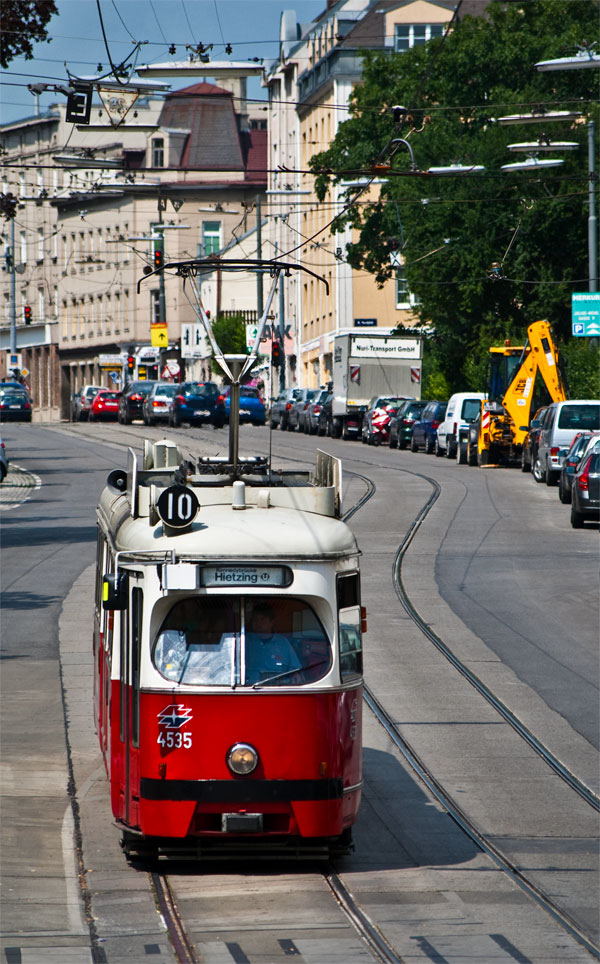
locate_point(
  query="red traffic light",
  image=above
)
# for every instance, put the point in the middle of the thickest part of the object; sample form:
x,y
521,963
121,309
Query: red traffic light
x,y
27,314
131,363
158,257
276,353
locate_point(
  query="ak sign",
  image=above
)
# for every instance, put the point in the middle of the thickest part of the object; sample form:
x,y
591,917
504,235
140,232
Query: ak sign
x,y
585,314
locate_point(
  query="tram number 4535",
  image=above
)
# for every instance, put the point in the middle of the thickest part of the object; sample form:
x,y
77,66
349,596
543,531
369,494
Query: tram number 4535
x,y
174,740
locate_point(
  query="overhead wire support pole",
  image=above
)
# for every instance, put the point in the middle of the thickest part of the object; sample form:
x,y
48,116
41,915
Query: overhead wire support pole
x,y
233,366
592,217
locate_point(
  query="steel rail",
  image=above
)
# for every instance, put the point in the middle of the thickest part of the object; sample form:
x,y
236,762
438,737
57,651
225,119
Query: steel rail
x,y
471,830
361,921
183,947
585,792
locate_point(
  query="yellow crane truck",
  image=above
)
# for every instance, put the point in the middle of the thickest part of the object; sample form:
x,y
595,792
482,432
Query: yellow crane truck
x,y
499,432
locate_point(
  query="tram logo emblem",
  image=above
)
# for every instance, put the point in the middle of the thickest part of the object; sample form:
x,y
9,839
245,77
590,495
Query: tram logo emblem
x,y
174,716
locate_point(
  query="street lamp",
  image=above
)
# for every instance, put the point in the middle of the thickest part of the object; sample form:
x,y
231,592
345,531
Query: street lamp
x,y
533,163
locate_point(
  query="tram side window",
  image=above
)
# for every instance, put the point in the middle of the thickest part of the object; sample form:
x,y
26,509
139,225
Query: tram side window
x,y
349,621
242,640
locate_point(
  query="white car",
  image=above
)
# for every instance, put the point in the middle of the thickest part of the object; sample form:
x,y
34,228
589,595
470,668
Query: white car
x,y
3,461
463,409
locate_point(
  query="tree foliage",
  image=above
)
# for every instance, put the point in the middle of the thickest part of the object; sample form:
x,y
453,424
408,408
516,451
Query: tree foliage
x,y
23,23
230,334
485,254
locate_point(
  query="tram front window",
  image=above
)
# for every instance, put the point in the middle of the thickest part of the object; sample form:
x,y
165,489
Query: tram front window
x,y
242,641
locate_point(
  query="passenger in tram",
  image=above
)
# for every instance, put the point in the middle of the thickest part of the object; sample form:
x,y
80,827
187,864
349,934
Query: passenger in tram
x,y
268,654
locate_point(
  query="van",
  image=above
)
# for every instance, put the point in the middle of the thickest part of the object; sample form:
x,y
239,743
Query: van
x,y
560,424
463,409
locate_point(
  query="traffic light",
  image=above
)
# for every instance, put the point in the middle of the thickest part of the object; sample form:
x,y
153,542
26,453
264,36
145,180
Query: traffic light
x,y
158,253
276,354
27,314
130,364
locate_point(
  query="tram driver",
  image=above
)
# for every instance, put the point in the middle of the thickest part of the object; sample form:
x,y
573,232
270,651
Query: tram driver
x,y
268,654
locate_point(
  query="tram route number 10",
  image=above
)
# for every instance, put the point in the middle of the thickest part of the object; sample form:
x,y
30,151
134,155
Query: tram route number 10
x,y
174,740
177,506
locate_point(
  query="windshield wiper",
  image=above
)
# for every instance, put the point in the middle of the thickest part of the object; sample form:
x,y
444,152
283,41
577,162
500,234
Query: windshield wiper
x,y
288,672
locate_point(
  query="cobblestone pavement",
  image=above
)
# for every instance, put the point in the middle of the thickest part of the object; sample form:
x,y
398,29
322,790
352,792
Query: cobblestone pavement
x,y
17,487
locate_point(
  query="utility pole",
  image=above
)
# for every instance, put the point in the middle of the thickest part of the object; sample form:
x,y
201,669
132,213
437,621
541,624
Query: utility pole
x,y
592,218
10,266
259,277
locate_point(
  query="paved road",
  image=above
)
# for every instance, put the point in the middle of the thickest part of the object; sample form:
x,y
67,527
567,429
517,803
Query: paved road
x,y
498,596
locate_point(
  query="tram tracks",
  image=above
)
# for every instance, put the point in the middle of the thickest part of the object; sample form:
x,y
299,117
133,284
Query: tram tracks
x,y
364,926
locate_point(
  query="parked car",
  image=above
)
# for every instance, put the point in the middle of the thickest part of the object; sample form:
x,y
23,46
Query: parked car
x,y
252,407
585,491
81,402
198,403
570,459
401,424
311,420
156,405
105,405
15,404
132,400
463,408
561,423
280,408
376,419
325,417
424,430
299,407
530,443
3,461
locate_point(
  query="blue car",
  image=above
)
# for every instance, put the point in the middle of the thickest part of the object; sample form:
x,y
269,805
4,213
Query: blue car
x,y
197,403
424,431
252,407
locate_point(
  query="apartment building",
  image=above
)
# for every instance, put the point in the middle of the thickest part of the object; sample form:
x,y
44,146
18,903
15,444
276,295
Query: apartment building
x,y
309,88
95,207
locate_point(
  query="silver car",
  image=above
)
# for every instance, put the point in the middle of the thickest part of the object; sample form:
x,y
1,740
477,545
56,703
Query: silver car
x,y
561,423
156,405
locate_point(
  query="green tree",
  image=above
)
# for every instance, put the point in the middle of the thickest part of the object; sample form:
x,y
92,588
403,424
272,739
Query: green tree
x,y
485,254
23,22
230,334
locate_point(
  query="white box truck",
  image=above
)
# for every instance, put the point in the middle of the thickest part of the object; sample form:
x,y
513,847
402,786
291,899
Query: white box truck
x,y
368,365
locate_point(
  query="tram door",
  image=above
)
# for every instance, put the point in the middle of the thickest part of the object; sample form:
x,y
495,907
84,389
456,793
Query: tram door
x,y
129,689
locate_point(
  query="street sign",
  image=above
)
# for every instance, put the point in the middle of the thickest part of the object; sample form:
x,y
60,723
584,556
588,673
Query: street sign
x,y
171,369
14,360
585,314
110,362
193,341
159,335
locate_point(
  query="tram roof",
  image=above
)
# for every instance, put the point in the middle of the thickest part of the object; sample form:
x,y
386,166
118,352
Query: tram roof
x,y
284,515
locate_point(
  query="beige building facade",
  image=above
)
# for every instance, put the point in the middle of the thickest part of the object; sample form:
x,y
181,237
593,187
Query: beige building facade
x,y
94,206
309,90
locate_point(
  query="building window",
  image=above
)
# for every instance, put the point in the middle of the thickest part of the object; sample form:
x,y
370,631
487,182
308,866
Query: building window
x,y
211,237
23,239
407,35
40,244
158,152
41,305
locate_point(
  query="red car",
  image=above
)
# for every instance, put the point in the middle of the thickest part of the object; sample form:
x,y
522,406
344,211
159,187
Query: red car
x,y
105,406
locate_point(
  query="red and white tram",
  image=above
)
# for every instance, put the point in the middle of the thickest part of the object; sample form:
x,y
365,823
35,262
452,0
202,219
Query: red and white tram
x,y
228,656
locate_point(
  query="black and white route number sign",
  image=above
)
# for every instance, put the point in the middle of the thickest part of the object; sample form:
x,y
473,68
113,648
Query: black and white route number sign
x,y
177,506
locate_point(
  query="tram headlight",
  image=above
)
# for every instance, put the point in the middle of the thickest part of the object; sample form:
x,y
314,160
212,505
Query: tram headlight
x,y
242,759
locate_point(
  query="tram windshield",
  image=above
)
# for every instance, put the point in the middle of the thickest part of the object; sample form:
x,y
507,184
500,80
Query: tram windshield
x,y
242,641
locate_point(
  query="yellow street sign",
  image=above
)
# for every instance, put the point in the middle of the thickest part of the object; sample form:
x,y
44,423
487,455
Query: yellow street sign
x,y
159,336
